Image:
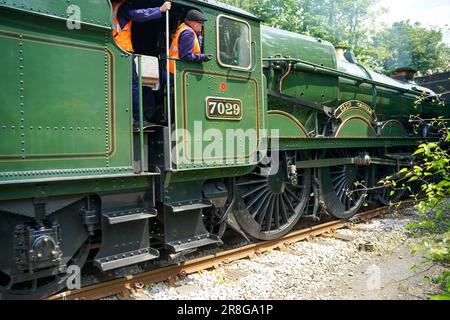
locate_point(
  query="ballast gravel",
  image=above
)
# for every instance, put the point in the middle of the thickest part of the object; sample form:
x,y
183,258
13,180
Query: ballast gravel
x,y
373,262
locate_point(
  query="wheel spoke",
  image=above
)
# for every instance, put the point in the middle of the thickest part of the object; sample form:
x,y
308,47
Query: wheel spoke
x,y
337,171
339,178
338,187
251,182
261,204
270,213
283,210
289,203
342,190
253,191
264,210
272,201
292,194
277,213
256,198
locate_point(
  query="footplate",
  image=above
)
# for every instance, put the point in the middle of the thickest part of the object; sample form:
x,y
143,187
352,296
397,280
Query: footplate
x,y
125,239
193,243
126,259
185,230
128,216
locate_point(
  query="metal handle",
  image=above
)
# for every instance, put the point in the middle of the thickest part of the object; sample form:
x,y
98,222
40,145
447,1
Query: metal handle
x,y
253,55
141,115
169,102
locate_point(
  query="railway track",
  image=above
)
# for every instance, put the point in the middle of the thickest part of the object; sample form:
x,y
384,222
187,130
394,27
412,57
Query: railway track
x,y
184,269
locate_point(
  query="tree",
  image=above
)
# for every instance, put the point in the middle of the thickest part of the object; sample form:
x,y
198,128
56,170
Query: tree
x,y
243,4
407,44
353,22
336,21
283,14
339,21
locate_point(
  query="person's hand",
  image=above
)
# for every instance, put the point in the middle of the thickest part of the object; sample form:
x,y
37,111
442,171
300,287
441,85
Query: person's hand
x,y
207,57
166,6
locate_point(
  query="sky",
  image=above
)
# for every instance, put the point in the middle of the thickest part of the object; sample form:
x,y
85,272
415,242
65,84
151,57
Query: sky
x,y
430,13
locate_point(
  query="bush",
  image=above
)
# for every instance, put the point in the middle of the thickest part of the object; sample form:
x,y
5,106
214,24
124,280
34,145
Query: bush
x,y
433,223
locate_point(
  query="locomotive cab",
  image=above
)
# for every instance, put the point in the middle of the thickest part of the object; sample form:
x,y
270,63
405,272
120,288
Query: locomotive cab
x,y
207,118
230,36
149,41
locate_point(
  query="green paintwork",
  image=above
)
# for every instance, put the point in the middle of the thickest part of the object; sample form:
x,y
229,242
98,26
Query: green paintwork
x,y
73,120
278,42
93,12
355,128
66,100
288,127
349,90
356,113
393,128
195,82
82,187
64,111
316,76
339,143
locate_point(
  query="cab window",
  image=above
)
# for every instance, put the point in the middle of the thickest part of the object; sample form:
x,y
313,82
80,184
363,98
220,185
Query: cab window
x,y
234,43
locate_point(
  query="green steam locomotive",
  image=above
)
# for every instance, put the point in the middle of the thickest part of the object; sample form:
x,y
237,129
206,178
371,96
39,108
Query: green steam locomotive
x,y
277,126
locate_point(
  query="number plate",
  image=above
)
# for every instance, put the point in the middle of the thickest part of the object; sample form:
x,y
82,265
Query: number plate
x,y
223,109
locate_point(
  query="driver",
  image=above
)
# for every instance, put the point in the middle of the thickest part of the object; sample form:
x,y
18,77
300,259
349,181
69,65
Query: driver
x,y
186,44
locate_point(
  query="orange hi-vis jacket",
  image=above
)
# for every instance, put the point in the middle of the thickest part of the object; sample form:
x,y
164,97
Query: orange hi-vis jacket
x,y
122,36
174,52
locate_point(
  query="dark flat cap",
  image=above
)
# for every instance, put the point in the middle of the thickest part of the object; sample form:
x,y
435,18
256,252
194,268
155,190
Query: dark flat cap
x,y
195,15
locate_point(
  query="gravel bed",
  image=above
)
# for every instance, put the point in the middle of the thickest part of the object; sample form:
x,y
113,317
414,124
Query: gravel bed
x,y
323,269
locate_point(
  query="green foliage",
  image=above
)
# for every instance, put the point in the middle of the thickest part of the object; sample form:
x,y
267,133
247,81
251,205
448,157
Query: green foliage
x,y
431,175
283,14
407,44
244,4
343,21
352,22
433,225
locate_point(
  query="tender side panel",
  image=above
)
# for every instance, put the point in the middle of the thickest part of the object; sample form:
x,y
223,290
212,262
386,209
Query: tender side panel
x,y
64,104
94,12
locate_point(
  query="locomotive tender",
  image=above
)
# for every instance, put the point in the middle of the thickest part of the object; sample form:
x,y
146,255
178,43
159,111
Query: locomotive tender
x,y
306,126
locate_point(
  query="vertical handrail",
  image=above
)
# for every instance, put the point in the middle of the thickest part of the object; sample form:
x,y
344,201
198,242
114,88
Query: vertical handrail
x,y
141,115
169,102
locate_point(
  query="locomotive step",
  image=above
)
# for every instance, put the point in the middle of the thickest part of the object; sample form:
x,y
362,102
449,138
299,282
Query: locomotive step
x,y
127,216
195,242
189,207
126,259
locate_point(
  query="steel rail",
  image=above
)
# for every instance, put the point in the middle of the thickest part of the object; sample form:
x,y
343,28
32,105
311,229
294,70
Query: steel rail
x,y
115,287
